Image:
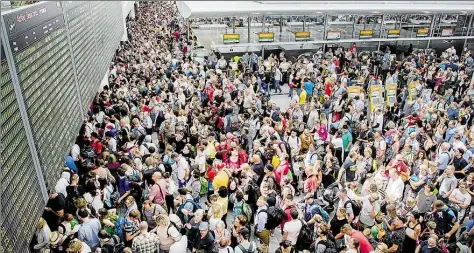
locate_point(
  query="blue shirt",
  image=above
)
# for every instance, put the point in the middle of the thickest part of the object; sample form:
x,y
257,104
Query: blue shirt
x,y
308,86
452,113
89,233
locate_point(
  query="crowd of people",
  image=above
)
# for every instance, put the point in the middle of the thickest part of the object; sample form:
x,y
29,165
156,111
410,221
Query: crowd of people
x,y
179,155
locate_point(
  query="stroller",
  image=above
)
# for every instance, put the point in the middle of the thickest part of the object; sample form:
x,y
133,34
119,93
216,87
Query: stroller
x,y
327,198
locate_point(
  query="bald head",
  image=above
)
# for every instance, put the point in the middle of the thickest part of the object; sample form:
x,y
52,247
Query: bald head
x,y
156,176
143,226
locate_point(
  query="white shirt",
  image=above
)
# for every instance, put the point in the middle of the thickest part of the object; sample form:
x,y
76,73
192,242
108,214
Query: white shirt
x,y
395,189
75,151
465,198
378,120
292,228
113,145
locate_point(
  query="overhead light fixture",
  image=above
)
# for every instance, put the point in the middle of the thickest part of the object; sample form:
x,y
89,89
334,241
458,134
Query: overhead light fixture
x,y
376,12
426,12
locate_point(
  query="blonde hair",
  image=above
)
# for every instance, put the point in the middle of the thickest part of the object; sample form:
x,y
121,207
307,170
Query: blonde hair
x,y
41,223
216,210
161,220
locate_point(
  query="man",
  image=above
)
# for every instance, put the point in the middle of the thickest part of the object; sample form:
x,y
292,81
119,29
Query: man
x,y
89,230
180,169
292,228
346,139
429,246
308,87
377,124
54,210
396,238
447,223
204,242
425,198
460,199
269,180
364,244
345,203
245,245
158,190
131,227
261,220
311,208
145,242
370,208
195,185
460,164
447,183
443,158
348,169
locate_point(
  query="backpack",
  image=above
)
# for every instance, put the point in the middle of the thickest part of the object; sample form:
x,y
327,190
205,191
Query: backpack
x,y
204,186
114,197
253,192
119,227
275,216
330,246
71,200
249,250
196,206
323,213
305,237
356,208
247,211
234,122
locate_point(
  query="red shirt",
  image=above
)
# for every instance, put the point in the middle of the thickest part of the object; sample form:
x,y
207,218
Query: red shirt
x,y
399,166
280,171
97,146
364,244
328,89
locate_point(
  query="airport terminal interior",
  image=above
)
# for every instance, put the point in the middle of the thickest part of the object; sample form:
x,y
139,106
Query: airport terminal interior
x,y
237,126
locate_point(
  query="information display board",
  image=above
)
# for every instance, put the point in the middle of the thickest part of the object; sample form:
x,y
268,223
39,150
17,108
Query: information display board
x,y
43,61
393,33
20,192
266,37
231,38
446,32
333,35
54,54
302,36
422,32
366,34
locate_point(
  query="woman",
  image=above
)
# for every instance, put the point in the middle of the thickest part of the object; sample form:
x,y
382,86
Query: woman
x,y
419,160
413,229
283,168
338,222
221,233
222,246
131,205
42,236
353,246
234,163
167,232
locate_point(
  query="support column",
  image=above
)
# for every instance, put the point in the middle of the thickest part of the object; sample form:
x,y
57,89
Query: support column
x,y
325,29
249,22
433,21
380,31
281,25
188,25
468,31
263,23
354,26
304,22
233,24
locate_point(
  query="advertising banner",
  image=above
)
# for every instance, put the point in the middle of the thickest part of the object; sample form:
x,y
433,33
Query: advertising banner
x,y
447,32
391,90
266,37
334,35
393,33
376,98
366,34
422,32
231,38
299,36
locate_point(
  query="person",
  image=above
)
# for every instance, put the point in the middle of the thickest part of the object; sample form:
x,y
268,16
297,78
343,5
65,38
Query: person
x,y
54,209
292,228
364,244
446,220
204,241
245,246
285,247
261,220
89,231
42,234
145,242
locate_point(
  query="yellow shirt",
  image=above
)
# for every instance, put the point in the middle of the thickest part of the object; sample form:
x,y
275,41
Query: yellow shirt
x,y
223,202
303,97
212,149
275,161
221,179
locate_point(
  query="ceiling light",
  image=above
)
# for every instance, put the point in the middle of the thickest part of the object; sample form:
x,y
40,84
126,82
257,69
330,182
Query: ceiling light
x,y
426,12
376,12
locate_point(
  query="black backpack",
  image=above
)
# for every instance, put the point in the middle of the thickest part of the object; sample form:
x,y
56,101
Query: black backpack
x,y
305,237
249,250
274,217
253,192
330,246
356,208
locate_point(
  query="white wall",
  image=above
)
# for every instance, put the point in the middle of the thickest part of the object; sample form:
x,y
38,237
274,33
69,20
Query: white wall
x,y
127,8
